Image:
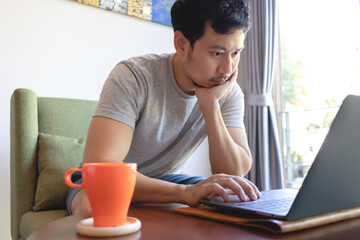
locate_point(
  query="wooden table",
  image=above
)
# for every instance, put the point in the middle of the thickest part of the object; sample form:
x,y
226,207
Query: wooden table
x,y
158,222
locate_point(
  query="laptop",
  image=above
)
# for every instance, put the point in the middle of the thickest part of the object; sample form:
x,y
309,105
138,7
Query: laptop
x,y
332,183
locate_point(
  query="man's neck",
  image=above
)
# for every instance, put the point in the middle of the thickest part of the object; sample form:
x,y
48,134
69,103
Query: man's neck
x,y
184,83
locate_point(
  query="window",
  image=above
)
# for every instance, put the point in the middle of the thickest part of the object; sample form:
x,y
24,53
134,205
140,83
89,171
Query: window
x,y
320,65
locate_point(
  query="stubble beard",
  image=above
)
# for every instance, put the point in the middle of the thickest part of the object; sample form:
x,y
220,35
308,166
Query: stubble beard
x,y
223,78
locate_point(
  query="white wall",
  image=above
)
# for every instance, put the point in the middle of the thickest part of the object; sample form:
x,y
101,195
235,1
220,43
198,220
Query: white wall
x,y
60,48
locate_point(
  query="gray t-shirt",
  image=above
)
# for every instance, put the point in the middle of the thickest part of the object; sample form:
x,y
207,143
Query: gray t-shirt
x,y
168,124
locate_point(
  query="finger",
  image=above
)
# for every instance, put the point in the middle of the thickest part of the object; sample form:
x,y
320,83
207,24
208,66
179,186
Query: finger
x,y
217,189
247,187
212,196
257,191
240,190
225,185
231,192
228,182
238,185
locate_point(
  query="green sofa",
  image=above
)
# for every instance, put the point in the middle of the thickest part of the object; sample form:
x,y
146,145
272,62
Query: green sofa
x,y
47,137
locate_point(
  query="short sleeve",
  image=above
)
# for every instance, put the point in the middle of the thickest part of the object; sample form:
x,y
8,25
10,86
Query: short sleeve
x,y
123,95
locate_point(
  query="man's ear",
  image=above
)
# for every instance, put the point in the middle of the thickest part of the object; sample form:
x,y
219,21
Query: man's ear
x,y
180,42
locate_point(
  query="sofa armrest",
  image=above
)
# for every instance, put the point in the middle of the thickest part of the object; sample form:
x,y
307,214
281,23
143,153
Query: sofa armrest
x,y
23,154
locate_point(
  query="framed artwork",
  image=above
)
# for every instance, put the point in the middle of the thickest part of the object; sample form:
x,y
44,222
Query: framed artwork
x,y
151,10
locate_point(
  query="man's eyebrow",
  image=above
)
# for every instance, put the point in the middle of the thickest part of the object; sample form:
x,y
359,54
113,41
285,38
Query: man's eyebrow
x,y
224,48
219,47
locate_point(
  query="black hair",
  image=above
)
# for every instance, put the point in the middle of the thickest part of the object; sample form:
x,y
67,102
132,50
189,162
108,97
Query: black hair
x,y
190,17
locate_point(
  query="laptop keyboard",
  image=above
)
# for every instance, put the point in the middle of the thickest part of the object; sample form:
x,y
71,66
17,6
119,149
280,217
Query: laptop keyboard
x,y
269,205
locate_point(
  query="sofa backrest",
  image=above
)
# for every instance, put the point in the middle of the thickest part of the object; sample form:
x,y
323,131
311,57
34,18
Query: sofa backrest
x,y
29,116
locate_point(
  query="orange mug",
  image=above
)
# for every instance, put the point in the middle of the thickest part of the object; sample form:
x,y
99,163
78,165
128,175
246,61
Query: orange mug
x,y
109,187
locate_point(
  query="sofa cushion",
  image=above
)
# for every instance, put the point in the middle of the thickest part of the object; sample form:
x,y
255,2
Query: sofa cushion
x,y
56,154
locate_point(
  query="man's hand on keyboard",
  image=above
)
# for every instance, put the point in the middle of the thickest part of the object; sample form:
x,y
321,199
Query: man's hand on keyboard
x,y
222,185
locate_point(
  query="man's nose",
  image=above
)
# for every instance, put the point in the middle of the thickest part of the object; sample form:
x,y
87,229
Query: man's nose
x,y
225,66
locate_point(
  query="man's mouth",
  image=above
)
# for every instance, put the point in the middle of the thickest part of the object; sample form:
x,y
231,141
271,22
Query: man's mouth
x,y
214,82
221,79
220,82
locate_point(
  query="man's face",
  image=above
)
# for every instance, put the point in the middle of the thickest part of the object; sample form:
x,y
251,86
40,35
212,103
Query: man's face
x,y
214,57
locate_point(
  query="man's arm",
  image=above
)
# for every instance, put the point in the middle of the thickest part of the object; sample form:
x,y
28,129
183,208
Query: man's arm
x,y
228,147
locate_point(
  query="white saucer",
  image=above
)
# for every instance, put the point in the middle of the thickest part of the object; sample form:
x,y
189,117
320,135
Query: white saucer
x,y
86,227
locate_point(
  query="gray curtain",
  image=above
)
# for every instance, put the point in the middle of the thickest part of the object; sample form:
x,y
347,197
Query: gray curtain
x,y
258,64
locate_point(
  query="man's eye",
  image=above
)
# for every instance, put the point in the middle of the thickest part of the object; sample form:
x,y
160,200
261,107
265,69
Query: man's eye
x,y
218,54
236,53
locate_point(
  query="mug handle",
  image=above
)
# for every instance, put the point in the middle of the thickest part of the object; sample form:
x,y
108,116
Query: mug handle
x,y
67,178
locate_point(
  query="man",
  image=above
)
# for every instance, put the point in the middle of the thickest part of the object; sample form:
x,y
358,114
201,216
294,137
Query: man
x,y
156,109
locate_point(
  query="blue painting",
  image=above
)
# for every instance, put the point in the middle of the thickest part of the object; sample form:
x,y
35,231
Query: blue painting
x,y
161,11
152,10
